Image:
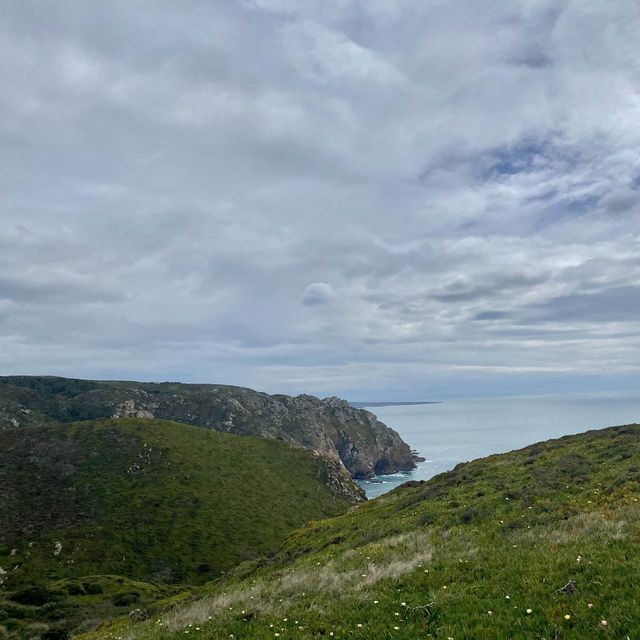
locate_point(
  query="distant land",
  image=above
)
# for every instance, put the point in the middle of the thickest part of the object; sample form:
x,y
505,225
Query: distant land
x,y
362,405
331,427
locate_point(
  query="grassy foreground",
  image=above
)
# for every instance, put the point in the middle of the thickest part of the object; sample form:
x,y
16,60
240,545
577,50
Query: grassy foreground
x,y
158,502
539,543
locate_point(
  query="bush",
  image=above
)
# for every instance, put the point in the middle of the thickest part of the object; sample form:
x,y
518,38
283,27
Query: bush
x,y
34,595
75,589
55,610
125,599
92,588
58,632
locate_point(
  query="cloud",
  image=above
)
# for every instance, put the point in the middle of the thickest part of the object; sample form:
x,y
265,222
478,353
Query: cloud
x,y
345,197
318,293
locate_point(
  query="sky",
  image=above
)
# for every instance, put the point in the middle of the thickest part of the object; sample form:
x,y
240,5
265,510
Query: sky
x,y
376,199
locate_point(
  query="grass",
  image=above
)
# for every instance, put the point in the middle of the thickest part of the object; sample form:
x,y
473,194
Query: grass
x,y
158,502
539,543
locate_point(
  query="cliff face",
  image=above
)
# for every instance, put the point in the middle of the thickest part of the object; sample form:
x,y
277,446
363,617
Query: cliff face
x,y
330,427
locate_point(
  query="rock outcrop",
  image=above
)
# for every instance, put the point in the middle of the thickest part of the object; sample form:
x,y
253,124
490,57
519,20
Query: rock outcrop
x,y
331,427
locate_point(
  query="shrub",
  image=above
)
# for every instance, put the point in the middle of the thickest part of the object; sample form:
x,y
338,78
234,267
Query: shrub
x,y
92,588
125,599
35,595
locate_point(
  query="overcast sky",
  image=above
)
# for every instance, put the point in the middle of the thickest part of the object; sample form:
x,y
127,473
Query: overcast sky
x,y
397,199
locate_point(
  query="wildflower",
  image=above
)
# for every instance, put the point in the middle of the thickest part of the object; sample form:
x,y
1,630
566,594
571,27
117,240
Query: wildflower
x,y
604,623
529,610
396,628
567,617
404,604
375,602
590,605
359,626
489,613
507,597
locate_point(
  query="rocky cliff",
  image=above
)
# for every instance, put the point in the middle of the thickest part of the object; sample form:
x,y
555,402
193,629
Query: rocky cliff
x,y
330,427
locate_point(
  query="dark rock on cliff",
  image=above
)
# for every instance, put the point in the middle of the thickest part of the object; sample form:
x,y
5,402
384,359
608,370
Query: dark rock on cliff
x,y
330,427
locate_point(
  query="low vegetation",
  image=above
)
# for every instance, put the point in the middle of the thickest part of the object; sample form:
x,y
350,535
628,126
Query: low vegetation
x,y
160,503
538,543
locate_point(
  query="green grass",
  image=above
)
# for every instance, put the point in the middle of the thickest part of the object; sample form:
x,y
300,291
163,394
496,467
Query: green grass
x,y
539,543
154,501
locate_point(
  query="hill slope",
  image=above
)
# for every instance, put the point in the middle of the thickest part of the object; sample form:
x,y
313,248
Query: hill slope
x,y
539,543
330,427
152,500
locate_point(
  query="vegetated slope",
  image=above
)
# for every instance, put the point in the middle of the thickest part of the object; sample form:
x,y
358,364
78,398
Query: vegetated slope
x,y
144,499
330,427
151,500
539,543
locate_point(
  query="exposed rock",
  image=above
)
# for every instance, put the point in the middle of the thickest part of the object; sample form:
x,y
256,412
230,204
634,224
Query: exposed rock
x,y
128,409
330,427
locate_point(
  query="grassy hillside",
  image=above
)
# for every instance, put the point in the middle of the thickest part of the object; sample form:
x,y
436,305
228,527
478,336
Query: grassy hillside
x,y
539,543
150,500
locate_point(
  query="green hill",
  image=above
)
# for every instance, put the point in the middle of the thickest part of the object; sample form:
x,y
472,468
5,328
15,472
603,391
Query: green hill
x,y
538,543
153,501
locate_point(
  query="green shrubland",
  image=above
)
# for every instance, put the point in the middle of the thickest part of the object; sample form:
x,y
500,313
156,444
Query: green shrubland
x,y
161,503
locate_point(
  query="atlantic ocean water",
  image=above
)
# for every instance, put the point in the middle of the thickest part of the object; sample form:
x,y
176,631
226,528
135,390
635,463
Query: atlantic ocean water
x,y
460,430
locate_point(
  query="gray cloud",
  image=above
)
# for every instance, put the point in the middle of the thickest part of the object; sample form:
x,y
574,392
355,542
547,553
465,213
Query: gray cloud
x,y
318,293
616,304
180,186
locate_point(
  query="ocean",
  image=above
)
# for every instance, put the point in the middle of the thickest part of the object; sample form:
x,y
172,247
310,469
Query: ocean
x,y
460,430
